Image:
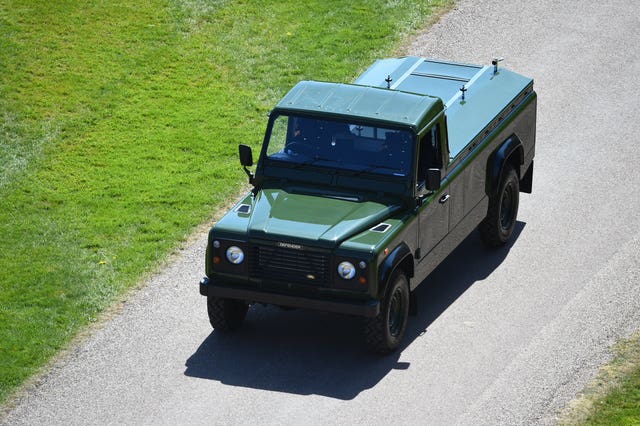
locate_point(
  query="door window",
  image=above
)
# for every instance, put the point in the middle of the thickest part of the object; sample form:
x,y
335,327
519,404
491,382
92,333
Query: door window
x,y
430,152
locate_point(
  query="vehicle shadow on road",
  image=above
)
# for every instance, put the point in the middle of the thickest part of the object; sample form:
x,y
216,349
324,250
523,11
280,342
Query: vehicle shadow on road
x,y
306,352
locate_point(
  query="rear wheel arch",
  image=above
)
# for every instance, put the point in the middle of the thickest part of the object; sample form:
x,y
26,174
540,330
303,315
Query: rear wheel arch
x,y
510,152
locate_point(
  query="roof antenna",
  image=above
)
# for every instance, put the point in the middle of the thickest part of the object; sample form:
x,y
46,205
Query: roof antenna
x,y
463,89
388,80
494,62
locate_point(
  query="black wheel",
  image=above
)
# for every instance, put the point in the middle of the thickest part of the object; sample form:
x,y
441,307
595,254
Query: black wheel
x,y
497,227
384,333
226,314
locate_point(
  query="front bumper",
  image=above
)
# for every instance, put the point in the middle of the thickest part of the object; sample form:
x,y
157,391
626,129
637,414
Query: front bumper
x,y
365,309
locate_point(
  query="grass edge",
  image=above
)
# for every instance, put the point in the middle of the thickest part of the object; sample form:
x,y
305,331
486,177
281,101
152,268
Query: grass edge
x,y
117,306
119,303
610,377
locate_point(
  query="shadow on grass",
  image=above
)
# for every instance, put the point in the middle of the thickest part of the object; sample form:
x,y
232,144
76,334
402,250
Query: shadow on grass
x,y
307,352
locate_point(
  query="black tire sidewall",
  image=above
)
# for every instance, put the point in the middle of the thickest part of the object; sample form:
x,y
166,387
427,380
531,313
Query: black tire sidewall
x,y
510,179
399,283
492,232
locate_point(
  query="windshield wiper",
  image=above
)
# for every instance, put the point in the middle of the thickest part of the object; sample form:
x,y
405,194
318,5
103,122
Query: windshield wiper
x,y
372,167
312,161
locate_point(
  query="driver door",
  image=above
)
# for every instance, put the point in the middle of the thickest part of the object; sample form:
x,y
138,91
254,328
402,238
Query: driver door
x,y
434,211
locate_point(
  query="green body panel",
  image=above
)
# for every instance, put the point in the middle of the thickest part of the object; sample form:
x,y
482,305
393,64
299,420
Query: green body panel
x,y
320,221
374,242
234,224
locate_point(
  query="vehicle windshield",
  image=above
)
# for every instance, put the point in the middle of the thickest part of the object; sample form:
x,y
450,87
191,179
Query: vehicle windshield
x,y
340,145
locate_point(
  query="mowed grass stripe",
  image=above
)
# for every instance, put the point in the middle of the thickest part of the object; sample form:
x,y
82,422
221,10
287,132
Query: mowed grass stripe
x,y
119,125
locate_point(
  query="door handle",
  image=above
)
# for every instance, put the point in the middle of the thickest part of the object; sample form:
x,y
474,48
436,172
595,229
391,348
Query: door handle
x,y
444,199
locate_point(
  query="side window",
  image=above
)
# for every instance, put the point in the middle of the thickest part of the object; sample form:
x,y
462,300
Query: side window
x,y
430,152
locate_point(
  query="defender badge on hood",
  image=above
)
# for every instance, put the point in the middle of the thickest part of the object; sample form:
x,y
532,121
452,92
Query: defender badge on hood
x,y
290,246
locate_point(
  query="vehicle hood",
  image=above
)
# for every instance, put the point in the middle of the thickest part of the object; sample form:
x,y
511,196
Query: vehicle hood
x,y
311,219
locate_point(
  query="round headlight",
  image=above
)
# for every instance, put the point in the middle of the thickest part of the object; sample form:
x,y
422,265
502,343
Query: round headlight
x,y
346,270
235,255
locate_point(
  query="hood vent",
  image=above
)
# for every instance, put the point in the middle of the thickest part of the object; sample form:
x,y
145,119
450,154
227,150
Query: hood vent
x,y
382,228
243,208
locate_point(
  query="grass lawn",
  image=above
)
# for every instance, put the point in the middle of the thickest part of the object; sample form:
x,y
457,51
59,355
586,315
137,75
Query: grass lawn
x,y
119,126
613,398
620,407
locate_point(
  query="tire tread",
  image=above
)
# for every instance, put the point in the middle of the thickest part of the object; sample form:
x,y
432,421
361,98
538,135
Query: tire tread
x,y
376,329
226,314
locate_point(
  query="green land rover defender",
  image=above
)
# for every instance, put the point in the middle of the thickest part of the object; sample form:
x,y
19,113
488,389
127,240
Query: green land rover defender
x,y
361,190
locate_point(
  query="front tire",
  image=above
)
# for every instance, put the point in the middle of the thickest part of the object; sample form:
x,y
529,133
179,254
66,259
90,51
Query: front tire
x,y
498,225
384,333
226,314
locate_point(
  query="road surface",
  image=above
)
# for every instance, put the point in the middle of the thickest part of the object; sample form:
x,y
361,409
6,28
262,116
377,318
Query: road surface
x,y
502,337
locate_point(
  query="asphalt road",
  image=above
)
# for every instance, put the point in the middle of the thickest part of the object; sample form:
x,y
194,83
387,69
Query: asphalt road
x,y
502,337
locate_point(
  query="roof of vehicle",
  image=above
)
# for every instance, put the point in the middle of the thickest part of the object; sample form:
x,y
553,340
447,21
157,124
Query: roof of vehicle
x,y
352,101
424,76
411,91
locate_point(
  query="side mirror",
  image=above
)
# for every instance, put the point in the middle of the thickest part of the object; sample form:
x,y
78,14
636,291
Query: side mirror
x,y
433,179
246,159
246,156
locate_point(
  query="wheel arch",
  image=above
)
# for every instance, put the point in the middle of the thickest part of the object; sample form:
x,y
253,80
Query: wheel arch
x,y
509,152
399,258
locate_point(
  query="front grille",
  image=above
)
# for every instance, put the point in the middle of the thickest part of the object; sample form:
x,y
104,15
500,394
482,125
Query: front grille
x,y
289,265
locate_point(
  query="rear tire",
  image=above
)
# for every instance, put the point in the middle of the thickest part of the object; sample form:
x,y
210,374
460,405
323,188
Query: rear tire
x,y
384,333
498,225
226,314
